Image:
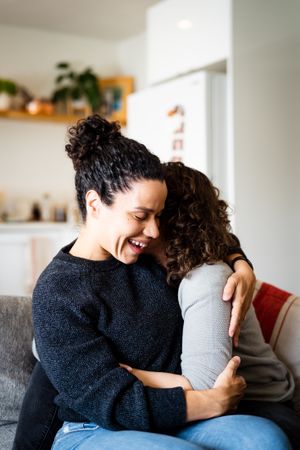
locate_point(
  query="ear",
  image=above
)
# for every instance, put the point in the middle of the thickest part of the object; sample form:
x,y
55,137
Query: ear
x,y
93,203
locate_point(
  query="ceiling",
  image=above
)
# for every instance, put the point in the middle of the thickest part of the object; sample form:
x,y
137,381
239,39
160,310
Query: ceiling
x,y
103,19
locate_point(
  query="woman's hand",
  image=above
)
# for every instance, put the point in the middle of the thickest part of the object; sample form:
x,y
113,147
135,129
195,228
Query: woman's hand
x,y
239,288
225,396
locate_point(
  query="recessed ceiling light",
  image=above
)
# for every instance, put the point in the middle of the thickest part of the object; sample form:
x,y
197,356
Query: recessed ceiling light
x,y
184,24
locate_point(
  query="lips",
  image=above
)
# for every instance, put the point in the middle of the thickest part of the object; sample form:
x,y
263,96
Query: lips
x,y
137,246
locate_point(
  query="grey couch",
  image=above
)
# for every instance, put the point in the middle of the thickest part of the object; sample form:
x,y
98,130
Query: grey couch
x,y
278,313
16,362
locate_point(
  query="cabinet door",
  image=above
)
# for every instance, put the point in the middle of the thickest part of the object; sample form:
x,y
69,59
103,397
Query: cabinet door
x,y
174,48
14,252
25,254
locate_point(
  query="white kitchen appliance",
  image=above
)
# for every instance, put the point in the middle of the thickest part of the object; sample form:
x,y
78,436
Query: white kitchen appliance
x,y
185,120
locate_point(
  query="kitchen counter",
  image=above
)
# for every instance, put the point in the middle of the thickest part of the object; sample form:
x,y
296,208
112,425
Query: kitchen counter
x,y
43,227
25,250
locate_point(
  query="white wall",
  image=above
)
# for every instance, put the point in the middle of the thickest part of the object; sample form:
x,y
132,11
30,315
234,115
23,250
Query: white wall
x,y
266,83
132,59
29,56
173,51
264,94
32,157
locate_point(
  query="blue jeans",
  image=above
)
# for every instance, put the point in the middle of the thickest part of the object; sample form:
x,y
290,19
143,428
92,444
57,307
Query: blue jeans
x,y
39,422
222,433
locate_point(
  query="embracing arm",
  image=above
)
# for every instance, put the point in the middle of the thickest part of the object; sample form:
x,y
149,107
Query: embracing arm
x,y
224,397
84,370
206,346
81,365
159,379
239,287
227,391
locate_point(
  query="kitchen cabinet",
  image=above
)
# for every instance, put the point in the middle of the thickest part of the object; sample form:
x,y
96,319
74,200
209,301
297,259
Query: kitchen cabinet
x,y
26,249
185,36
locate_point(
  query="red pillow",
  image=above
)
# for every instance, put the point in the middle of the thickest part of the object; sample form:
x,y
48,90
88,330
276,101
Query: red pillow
x,y
278,313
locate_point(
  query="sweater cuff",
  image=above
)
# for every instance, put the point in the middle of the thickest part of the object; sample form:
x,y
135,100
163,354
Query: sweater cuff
x,y
168,407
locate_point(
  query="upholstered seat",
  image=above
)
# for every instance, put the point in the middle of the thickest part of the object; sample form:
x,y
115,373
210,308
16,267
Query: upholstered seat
x,y
278,312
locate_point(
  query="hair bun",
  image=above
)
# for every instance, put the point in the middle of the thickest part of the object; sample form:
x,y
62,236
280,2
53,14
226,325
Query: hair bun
x,y
89,136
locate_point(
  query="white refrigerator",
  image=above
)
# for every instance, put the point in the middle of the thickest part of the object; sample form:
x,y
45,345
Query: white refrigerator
x,y
185,120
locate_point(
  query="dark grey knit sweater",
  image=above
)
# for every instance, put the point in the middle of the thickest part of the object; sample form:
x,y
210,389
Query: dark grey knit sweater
x,y
89,316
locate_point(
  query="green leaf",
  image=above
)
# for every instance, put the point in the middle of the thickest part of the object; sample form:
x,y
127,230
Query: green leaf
x,y
62,65
61,94
59,79
8,86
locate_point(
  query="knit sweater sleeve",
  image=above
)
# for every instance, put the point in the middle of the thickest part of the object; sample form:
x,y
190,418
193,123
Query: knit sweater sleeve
x,y
80,363
206,346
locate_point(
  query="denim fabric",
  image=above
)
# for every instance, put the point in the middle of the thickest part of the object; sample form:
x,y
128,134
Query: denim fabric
x,y
38,422
282,414
89,436
222,433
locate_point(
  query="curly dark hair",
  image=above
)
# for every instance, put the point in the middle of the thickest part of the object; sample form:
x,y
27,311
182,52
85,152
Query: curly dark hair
x,y
107,161
194,223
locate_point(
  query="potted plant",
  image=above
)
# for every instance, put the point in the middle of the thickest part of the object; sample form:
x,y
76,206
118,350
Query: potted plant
x,y
77,91
7,90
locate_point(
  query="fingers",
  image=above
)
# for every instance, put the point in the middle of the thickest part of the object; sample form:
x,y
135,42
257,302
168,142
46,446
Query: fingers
x,y
229,288
242,382
239,309
236,336
239,287
125,366
236,317
232,366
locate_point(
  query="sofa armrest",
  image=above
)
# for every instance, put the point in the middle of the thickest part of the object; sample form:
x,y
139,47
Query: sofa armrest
x,y
278,313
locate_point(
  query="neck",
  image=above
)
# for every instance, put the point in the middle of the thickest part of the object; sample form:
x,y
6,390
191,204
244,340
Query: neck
x,y
86,247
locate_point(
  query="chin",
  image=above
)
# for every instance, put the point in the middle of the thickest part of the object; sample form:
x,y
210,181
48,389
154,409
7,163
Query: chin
x,y
129,259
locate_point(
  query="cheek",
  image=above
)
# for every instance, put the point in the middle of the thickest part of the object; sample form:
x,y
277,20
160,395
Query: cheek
x,y
121,229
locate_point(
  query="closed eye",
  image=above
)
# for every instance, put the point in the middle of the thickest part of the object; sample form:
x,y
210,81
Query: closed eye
x,y
140,218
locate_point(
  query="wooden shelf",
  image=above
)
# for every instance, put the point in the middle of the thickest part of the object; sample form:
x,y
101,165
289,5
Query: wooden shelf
x,y
57,118
23,115
123,85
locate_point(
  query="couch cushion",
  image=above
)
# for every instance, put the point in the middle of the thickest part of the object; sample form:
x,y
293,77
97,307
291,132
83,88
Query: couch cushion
x,y
7,433
16,360
278,312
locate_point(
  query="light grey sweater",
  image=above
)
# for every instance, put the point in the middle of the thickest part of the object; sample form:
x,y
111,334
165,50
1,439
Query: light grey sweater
x,y
207,348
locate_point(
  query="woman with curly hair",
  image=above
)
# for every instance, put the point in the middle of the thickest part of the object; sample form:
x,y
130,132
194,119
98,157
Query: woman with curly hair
x,y
196,234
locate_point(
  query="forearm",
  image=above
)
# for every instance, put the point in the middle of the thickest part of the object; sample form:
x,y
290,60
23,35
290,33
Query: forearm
x,y
225,396
235,251
202,405
161,379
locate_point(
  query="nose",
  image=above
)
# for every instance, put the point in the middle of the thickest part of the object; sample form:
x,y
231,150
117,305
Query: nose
x,y
151,229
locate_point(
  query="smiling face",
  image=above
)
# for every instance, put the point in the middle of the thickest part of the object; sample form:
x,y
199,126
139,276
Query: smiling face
x,y
124,229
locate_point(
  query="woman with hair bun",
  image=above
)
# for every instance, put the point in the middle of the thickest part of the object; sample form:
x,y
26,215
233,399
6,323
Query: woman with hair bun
x,y
101,302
